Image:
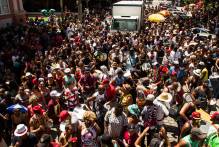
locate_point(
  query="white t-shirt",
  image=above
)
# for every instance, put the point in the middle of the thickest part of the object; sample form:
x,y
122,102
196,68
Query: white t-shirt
x,y
162,111
175,55
212,129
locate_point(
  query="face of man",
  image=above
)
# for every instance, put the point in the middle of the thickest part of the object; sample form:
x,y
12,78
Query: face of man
x,y
87,73
118,111
196,122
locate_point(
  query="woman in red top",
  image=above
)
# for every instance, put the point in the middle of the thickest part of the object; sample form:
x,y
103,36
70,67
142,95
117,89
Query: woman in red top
x,y
130,136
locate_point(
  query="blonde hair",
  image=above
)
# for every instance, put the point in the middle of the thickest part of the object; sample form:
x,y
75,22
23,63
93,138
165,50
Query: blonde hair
x,y
89,115
32,98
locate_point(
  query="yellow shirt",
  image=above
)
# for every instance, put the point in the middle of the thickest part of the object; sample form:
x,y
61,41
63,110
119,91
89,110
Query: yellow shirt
x,y
204,74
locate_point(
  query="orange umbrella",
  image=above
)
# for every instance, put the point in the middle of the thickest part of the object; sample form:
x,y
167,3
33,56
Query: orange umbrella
x,y
164,13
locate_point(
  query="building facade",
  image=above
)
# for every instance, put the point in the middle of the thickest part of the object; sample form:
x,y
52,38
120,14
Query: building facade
x,y
11,11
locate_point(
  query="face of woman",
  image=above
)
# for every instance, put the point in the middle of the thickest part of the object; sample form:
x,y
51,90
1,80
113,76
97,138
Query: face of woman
x,y
16,112
69,130
88,123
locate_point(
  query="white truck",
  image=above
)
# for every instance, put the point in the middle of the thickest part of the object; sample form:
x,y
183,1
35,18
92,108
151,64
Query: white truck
x,y
127,16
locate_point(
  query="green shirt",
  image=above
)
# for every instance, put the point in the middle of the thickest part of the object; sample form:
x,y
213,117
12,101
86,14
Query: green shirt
x,y
190,142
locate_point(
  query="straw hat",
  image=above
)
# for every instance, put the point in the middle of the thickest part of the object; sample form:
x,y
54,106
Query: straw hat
x,y
165,97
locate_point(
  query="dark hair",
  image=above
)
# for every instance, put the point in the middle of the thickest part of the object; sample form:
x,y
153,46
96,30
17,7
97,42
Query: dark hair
x,y
118,106
106,140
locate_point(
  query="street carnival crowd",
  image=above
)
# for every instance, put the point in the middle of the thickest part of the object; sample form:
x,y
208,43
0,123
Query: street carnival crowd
x,y
70,83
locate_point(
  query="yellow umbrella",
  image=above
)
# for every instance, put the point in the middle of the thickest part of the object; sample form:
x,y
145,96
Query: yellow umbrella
x,y
164,13
156,18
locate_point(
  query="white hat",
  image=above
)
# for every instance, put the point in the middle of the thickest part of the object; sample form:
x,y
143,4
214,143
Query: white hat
x,y
20,130
152,86
67,70
150,97
57,66
201,63
49,75
28,74
197,72
41,79
54,93
165,97
155,63
114,45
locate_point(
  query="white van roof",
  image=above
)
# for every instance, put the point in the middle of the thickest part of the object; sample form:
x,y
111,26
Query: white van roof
x,y
129,3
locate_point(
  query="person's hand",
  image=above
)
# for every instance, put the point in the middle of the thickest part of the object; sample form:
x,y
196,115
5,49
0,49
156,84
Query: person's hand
x,y
82,90
114,142
145,130
5,117
42,128
17,144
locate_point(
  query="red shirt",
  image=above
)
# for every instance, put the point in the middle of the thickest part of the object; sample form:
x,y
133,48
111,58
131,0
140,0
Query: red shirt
x,y
130,139
110,92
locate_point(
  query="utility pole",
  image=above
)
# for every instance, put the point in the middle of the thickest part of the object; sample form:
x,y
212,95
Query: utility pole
x,y
80,13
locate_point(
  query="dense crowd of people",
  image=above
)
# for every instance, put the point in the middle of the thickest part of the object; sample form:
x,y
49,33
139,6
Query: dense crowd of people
x,y
70,83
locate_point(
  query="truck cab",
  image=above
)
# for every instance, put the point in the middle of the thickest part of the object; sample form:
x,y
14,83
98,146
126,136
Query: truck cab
x,y
127,16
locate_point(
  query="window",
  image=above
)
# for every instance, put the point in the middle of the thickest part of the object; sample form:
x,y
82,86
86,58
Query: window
x,y
125,24
4,8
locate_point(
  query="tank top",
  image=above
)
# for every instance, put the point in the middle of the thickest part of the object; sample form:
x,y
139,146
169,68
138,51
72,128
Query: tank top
x,y
189,142
88,137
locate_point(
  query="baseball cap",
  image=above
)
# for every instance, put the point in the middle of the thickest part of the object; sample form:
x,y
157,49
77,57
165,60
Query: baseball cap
x,y
215,116
196,115
63,115
198,133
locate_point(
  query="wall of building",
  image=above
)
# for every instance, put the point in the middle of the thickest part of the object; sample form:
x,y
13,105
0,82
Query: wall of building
x,y
16,13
